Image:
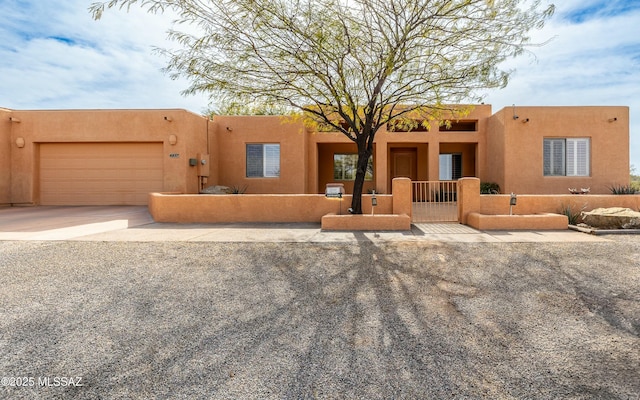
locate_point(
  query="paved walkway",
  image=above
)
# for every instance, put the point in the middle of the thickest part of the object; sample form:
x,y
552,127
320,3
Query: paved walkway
x,y
134,223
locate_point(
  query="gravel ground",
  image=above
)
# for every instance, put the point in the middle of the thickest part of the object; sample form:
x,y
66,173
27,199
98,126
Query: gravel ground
x,y
285,320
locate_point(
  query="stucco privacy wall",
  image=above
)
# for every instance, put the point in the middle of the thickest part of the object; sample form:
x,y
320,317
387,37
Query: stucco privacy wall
x,y
515,147
5,157
471,201
533,204
107,126
187,208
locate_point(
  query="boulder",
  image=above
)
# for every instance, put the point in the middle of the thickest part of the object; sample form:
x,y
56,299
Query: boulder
x,y
612,218
217,189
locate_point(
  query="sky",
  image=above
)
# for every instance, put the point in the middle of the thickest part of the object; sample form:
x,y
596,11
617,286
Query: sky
x,y
53,55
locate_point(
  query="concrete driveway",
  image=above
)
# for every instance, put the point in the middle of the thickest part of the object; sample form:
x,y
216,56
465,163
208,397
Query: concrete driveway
x,y
134,223
334,320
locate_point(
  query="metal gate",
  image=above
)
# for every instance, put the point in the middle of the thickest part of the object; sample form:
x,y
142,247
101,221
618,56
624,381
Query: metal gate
x,y
435,201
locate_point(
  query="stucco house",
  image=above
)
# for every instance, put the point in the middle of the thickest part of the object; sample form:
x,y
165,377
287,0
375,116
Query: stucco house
x,y
104,157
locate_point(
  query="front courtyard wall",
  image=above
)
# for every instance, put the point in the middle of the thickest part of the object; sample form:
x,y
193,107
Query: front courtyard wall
x,y
274,208
470,201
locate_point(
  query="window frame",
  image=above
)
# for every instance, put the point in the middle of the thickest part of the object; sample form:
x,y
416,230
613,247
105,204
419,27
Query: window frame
x,y
266,160
369,175
453,165
569,157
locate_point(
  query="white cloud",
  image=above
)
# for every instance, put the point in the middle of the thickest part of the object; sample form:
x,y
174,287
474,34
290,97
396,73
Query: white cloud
x,y
57,56
592,62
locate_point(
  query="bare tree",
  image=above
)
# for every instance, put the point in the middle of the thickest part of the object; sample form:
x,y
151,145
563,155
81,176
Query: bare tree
x,y
349,65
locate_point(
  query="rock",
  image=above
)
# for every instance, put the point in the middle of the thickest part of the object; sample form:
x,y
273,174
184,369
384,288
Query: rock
x,y
612,218
217,189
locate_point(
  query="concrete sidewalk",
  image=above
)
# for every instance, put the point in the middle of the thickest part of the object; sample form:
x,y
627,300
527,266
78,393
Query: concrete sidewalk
x,y
134,223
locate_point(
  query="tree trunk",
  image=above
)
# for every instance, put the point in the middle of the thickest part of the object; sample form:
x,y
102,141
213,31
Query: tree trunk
x,y
364,153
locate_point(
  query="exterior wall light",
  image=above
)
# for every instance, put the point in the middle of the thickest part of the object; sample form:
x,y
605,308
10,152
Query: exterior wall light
x,y
173,139
512,202
374,202
20,142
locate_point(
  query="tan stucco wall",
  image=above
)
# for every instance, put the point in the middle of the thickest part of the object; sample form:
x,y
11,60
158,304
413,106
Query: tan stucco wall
x,y
521,147
518,222
82,126
535,204
5,157
502,149
229,136
493,160
471,201
185,208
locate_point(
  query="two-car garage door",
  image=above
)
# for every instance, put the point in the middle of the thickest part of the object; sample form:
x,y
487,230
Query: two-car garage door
x,y
99,173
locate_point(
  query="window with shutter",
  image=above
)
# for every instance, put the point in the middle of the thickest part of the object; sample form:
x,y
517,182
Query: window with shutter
x,y
566,157
578,152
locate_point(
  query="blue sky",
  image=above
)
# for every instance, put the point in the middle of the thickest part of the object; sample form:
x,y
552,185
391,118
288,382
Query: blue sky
x,y
54,56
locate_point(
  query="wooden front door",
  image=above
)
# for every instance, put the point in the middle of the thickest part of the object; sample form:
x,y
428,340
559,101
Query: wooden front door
x,y
404,163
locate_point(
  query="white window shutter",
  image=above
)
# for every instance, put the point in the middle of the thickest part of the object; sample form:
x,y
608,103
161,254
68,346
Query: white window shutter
x,y
582,157
271,160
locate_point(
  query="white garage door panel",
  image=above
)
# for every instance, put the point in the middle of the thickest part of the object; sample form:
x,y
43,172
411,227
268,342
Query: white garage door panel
x,y
99,173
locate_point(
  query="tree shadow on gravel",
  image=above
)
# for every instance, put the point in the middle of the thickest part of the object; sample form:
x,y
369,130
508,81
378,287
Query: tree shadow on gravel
x,y
363,320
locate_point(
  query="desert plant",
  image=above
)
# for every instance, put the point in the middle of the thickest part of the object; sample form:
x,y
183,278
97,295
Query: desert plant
x,y
237,189
489,188
623,189
575,217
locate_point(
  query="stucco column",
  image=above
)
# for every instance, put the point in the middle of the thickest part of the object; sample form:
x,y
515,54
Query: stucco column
x,y
381,171
434,161
401,190
468,198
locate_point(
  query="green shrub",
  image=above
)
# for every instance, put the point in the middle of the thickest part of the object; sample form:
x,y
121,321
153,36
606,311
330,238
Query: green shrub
x,y
489,188
237,189
574,216
623,189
